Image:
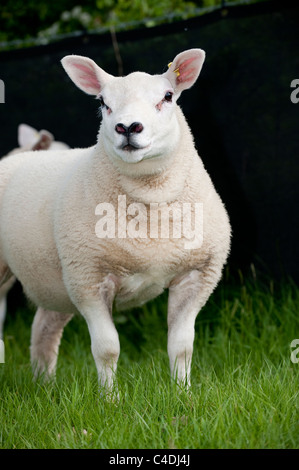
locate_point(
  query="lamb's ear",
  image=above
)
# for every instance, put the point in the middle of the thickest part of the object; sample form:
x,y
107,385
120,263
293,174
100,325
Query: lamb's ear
x,y
85,73
185,69
27,136
44,142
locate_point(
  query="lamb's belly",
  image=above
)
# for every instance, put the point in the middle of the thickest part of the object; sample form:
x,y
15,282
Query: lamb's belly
x,y
46,289
139,288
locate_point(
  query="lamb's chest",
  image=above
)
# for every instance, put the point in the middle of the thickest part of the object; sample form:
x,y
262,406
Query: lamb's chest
x,y
138,288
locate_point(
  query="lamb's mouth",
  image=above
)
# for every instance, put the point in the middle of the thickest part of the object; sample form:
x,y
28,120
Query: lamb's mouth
x,y
130,148
131,153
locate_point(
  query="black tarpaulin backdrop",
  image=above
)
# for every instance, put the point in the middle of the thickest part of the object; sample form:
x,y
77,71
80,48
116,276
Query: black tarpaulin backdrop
x,y
245,126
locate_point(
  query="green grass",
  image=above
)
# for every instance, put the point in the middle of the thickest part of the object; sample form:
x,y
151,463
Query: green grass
x,y
244,385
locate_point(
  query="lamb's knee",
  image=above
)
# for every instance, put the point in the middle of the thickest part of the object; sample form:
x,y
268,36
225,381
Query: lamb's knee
x,y
180,357
180,341
106,352
180,350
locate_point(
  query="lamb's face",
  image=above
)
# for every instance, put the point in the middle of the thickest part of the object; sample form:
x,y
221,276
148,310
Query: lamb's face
x,y
139,119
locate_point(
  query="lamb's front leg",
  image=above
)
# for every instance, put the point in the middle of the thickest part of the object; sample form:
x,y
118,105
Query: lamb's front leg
x,y
186,297
105,346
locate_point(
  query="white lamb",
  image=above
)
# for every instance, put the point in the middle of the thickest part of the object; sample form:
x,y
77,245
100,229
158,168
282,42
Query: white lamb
x,y
28,139
53,241
32,139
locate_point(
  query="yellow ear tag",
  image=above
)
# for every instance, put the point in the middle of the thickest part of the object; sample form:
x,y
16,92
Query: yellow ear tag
x,y
176,71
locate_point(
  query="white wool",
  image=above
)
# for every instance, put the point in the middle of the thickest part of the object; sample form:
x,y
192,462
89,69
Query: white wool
x,y
145,152
28,139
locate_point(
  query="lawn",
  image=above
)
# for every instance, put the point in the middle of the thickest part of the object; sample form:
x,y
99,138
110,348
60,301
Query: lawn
x,y
244,390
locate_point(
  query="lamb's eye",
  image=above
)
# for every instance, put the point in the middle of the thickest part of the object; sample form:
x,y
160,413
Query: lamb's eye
x,y
103,104
168,96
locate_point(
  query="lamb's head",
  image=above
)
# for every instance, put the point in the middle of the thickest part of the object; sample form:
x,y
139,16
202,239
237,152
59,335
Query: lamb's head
x,y
140,122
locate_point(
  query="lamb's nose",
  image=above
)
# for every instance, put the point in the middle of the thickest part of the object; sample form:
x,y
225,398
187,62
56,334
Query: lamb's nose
x,y
134,128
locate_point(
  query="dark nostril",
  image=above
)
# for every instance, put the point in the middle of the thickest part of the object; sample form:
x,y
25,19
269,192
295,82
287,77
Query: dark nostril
x,y
135,128
121,128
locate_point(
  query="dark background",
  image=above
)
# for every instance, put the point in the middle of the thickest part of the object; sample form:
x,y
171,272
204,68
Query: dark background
x,y
245,126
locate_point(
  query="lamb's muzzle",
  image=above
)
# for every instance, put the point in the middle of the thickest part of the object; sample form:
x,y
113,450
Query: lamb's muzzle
x,y
128,132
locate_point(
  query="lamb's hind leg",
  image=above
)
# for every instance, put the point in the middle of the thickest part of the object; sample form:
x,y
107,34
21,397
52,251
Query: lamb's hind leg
x,y
46,333
4,289
6,282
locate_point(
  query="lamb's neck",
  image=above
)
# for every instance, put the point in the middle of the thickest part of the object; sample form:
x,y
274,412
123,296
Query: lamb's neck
x,y
166,184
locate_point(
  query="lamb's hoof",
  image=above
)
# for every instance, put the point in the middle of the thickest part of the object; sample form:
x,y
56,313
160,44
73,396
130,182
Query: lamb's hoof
x,y
42,374
109,395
